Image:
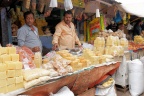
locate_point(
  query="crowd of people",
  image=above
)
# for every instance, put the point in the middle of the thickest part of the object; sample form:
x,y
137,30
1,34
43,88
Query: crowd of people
x,y
136,28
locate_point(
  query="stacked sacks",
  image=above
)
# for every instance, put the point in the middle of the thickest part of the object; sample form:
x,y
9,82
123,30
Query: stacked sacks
x,y
136,77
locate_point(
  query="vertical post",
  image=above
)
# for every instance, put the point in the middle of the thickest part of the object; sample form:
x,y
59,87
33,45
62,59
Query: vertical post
x,y
4,27
78,29
9,30
61,13
85,30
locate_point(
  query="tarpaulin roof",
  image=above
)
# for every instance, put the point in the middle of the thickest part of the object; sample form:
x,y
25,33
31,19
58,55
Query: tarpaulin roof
x,y
134,7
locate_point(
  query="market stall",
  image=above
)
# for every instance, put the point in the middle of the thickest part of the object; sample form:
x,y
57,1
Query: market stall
x,y
71,66
101,63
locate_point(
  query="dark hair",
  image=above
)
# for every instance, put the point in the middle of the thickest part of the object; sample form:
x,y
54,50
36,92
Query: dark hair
x,y
44,28
137,23
140,20
67,12
27,13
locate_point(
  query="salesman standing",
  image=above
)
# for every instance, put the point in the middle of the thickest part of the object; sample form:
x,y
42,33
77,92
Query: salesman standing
x,y
65,35
28,34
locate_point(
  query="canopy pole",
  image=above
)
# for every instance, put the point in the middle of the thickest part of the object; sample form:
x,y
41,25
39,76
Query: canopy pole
x,y
134,20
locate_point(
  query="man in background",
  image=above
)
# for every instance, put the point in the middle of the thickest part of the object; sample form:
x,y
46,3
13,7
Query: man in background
x,y
28,34
65,35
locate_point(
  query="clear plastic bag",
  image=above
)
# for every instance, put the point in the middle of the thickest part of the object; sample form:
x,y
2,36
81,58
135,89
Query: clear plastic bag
x,y
26,4
41,5
68,4
53,3
48,10
33,5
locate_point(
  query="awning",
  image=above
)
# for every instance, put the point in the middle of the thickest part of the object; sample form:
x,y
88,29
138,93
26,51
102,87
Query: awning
x,y
134,7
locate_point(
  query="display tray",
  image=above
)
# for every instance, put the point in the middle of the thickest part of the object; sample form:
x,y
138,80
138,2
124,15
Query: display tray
x,y
75,51
84,69
55,79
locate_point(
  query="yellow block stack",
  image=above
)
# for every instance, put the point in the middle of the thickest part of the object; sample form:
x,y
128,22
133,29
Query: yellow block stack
x,y
11,77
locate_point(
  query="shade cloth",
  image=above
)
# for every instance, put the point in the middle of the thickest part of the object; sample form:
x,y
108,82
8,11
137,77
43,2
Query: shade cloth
x,y
134,7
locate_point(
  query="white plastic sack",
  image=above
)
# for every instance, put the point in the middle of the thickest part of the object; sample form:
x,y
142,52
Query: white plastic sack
x,y
68,4
64,91
136,77
142,59
110,91
53,3
121,75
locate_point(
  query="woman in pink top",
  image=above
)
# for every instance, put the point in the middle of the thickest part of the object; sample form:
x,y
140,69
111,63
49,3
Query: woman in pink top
x,y
65,35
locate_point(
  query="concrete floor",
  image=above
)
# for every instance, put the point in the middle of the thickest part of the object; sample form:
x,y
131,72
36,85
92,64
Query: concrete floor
x,y
119,93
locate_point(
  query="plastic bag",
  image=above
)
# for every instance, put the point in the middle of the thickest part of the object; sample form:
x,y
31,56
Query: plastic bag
x,y
18,10
33,5
68,4
121,75
26,4
47,3
118,17
136,77
47,9
41,5
31,83
64,91
38,59
35,74
110,91
28,51
53,3
26,56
